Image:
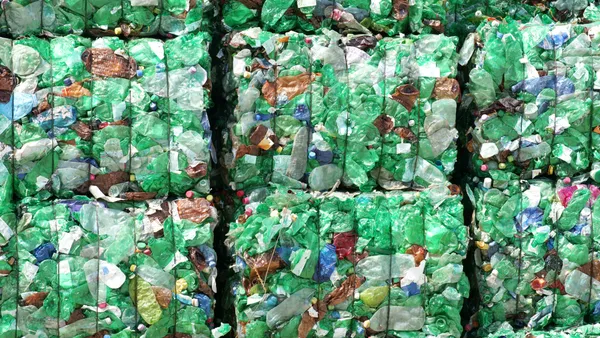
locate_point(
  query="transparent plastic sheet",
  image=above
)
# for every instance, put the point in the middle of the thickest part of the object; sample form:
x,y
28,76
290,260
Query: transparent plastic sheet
x,y
352,120
551,102
386,17
130,18
360,235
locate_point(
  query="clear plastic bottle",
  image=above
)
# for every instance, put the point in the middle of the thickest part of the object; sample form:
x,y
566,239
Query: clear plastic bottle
x,y
324,177
157,277
384,267
400,318
210,256
295,305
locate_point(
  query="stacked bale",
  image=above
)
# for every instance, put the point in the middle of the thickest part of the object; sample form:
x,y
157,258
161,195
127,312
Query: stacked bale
x,y
108,18
107,220
360,264
533,150
388,17
533,85
322,111
128,119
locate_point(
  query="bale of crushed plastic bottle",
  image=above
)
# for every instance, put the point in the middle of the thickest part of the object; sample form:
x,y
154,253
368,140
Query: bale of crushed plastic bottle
x,y
123,120
128,18
323,111
533,86
536,254
349,264
82,267
582,331
388,17
465,15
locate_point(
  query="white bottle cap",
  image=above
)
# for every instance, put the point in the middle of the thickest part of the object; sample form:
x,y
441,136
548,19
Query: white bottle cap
x,y
487,183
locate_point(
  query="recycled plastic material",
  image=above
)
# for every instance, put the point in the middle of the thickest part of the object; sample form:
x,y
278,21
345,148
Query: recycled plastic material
x,y
114,119
536,255
350,16
465,15
111,17
575,332
533,85
80,268
324,111
349,264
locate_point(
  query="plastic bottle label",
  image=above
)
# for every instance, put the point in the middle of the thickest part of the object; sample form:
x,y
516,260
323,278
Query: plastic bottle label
x,y
403,148
376,7
5,230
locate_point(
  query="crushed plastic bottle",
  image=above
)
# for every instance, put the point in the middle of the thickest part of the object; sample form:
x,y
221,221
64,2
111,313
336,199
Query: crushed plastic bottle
x,y
378,16
84,267
312,113
465,15
581,331
535,253
342,264
95,117
129,18
535,114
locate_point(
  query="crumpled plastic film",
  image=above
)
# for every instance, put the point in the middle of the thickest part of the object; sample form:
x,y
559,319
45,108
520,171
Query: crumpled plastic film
x,y
534,112
389,17
102,117
102,18
121,269
324,111
350,264
550,228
